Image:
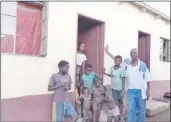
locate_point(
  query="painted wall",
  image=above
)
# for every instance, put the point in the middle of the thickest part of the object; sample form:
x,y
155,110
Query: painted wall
x,y
27,75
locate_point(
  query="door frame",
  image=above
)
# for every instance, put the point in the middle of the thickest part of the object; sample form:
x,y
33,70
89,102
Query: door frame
x,y
102,34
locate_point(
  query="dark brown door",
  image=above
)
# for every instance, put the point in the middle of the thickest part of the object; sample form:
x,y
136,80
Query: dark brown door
x,y
93,47
144,44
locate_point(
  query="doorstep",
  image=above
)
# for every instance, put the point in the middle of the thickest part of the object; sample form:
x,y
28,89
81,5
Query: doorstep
x,y
155,107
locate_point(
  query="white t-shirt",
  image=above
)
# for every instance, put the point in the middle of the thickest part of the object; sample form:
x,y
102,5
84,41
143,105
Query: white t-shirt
x,y
81,58
137,79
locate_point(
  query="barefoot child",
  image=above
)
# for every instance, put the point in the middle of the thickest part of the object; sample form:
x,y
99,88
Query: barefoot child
x,y
87,113
60,83
117,74
98,97
77,86
113,110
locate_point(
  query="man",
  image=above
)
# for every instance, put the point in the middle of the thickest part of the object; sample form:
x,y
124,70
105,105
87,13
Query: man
x,y
138,85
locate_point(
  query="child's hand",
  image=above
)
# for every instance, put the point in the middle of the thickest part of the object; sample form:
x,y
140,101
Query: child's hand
x,y
66,86
63,83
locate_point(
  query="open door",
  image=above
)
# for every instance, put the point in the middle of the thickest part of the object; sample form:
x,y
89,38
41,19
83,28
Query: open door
x,y
93,38
144,44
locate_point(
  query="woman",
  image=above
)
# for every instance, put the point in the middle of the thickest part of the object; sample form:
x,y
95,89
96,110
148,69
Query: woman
x,y
80,67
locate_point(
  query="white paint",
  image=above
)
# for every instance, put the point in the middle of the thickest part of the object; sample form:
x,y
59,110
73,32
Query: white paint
x,y
26,75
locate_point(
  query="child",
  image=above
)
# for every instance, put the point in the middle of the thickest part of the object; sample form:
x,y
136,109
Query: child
x,y
113,111
87,78
77,86
87,113
60,83
98,97
117,74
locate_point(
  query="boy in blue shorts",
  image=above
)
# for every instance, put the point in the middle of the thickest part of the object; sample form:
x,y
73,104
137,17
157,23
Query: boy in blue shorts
x,y
60,83
118,75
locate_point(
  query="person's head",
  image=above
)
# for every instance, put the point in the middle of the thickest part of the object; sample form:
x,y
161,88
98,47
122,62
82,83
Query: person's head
x,y
88,69
63,66
81,46
85,91
134,53
97,81
118,60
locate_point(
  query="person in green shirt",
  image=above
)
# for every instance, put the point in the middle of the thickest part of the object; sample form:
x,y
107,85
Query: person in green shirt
x,y
118,75
87,79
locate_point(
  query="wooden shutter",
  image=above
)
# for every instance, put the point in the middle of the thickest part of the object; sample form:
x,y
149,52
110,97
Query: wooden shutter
x,y
43,50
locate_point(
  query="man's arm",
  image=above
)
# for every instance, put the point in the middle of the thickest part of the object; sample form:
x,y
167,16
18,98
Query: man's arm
x,y
124,76
52,86
147,79
68,85
107,51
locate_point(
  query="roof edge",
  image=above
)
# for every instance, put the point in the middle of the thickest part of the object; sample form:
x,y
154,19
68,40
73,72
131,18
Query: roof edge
x,y
153,10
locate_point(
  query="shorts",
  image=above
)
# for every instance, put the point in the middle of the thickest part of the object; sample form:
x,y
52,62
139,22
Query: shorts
x,y
61,110
114,111
117,96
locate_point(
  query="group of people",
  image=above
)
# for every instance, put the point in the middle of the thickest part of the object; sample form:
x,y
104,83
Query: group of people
x,y
91,95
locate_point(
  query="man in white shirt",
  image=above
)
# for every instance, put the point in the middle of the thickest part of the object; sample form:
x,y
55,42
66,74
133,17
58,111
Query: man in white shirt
x,y
138,85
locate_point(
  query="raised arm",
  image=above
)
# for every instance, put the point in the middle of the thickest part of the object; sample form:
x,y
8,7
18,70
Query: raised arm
x,y
107,51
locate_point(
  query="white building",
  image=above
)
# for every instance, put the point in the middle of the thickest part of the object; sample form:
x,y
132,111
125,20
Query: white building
x,y
25,77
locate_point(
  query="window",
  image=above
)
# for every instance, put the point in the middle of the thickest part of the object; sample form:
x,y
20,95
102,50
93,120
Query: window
x,y
24,28
165,50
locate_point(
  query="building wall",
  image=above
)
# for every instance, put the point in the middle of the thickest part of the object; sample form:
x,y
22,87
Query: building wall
x,y
27,75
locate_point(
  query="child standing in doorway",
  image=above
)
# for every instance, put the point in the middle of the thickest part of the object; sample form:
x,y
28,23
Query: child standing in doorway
x,y
60,83
118,75
87,79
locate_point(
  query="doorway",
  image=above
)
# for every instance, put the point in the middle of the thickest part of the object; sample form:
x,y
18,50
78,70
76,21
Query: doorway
x,y
144,47
91,33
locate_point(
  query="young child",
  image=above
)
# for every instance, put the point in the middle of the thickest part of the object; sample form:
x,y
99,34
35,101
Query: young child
x,y
60,83
87,79
113,110
77,86
98,97
118,75
87,113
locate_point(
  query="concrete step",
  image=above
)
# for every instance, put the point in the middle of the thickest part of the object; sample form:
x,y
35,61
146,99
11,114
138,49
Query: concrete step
x,y
154,107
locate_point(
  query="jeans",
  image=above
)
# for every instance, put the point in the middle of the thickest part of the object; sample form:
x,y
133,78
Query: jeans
x,y
136,104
